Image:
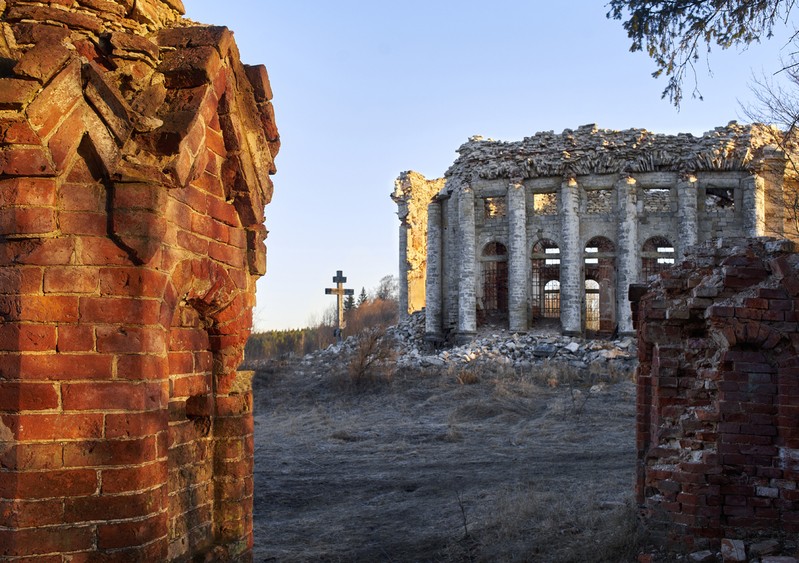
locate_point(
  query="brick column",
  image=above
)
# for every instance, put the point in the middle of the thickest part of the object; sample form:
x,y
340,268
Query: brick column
x,y
571,256
433,310
518,262
234,461
628,253
688,234
467,300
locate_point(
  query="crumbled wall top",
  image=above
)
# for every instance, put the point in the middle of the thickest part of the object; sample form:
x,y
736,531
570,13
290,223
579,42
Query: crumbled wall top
x,y
589,150
142,83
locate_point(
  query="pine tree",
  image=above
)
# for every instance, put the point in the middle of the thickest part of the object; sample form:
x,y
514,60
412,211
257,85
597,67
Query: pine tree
x,y
349,303
362,298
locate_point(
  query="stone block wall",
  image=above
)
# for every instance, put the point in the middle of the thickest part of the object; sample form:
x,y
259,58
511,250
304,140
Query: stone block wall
x,y
718,395
135,154
412,194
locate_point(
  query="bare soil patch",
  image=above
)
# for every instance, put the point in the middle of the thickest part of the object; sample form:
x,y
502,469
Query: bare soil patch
x,y
427,468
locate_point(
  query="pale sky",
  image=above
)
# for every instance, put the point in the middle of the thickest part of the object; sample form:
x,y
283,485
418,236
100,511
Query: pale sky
x,y
365,89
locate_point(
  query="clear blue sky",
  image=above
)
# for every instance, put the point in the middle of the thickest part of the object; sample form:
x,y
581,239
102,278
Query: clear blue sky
x,y
366,89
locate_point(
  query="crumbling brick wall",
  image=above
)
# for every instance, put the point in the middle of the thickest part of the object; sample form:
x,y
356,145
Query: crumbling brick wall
x,y
135,154
718,395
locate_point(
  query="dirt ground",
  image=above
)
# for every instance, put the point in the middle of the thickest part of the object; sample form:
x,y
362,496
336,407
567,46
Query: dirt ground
x,y
427,468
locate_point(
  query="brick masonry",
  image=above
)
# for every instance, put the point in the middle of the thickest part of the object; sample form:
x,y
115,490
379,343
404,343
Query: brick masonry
x,y
135,155
718,395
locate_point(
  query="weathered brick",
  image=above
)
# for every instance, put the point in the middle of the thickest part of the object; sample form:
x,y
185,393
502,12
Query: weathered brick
x,y
135,425
49,484
131,340
120,310
24,395
33,541
27,191
112,396
111,507
15,93
31,426
96,453
133,479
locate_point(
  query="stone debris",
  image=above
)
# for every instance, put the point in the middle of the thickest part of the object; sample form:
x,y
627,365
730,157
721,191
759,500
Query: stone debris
x,y
508,348
704,556
733,551
495,347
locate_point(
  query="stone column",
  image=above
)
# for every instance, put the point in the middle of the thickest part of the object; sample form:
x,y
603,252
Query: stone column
x,y
433,329
403,261
571,256
628,269
467,301
768,209
688,234
518,262
754,207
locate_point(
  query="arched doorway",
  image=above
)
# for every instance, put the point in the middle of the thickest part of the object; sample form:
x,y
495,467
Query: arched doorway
x,y
657,255
545,281
600,268
494,263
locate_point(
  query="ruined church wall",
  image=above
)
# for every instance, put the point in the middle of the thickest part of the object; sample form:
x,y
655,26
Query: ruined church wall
x,y
717,439
135,153
627,187
412,194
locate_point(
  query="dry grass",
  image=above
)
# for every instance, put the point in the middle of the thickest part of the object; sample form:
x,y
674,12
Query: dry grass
x,y
530,523
482,463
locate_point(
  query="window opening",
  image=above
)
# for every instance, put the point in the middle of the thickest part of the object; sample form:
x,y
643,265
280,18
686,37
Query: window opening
x,y
495,207
545,280
657,255
495,281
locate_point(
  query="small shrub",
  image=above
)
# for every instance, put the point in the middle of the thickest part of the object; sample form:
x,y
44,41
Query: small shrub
x,y
467,377
372,359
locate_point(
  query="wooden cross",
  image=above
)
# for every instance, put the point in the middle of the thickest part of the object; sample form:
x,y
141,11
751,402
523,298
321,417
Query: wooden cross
x,y
339,292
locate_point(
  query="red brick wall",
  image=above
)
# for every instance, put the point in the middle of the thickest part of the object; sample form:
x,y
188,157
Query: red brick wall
x,y
134,167
718,396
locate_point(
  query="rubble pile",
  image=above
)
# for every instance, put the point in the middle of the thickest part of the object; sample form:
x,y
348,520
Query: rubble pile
x,y
497,346
521,351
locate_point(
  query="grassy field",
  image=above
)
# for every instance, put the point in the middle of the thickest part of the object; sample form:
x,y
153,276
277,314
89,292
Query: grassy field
x,y
434,466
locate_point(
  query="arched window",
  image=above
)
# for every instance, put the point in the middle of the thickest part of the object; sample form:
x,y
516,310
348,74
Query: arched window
x,y
545,280
600,285
494,262
657,255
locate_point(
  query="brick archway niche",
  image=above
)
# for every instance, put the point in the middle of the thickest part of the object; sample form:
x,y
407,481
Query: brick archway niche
x,y
135,155
718,396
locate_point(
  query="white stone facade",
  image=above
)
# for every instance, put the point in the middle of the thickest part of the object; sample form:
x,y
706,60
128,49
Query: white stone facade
x,y
554,228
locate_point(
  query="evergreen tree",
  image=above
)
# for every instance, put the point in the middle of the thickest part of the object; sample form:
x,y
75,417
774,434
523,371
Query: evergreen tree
x,y
362,298
349,303
672,32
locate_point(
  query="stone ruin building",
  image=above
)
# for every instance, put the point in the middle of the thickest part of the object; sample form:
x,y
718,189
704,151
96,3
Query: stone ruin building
x,y
554,228
135,155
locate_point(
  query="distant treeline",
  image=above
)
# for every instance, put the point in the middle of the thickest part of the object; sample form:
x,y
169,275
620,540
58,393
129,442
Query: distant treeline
x,y
378,311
